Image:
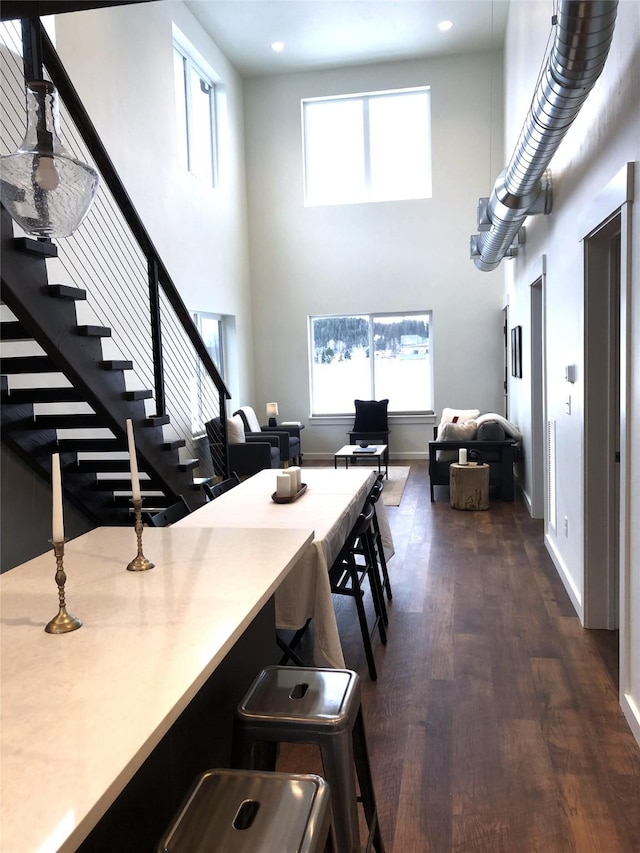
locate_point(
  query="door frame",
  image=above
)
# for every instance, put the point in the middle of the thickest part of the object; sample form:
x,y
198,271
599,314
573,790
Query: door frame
x,y
609,210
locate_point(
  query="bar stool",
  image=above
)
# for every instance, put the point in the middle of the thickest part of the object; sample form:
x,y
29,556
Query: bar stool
x,y
239,811
323,707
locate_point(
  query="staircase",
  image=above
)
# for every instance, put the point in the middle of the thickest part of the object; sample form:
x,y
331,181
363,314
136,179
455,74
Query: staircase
x,y
62,395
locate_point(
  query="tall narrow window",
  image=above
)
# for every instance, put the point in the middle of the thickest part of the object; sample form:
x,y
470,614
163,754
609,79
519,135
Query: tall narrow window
x,y
371,357
202,391
196,112
373,147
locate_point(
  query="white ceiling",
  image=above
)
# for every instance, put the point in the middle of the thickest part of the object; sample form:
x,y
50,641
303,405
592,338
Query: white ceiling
x,y
331,33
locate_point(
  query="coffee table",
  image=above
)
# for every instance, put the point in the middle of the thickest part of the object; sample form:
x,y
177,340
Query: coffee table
x,y
372,451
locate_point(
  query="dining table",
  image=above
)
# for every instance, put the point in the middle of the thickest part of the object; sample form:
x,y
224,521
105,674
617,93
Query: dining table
x,y
329,505
83,712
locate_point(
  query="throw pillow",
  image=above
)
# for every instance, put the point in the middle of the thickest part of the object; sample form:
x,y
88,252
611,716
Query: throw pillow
x,y
371,415
458,432
235,430
453,416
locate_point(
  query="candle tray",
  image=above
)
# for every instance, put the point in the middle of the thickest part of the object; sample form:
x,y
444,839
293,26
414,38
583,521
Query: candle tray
x,y
292,498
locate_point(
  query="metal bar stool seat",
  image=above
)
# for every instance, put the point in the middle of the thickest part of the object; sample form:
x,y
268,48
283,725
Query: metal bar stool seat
x,y
239,811
288,704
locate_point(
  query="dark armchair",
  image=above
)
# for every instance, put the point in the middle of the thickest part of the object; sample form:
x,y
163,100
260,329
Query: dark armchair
x,y
246,457
288,436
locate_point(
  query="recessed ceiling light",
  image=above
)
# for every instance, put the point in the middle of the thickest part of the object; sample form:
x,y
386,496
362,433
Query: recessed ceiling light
x,y
445,26
278,46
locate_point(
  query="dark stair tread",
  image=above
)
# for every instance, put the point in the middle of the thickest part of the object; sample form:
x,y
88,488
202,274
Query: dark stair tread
x,y
66,291
116,365
175,444
36,247
138,395
188,465
102,466
156,420
66,421
90,445
94,331
41,395
104,484
29,364
149,504
13,330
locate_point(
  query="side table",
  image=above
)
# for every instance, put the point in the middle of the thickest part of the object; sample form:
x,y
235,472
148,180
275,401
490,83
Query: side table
x,y
469,486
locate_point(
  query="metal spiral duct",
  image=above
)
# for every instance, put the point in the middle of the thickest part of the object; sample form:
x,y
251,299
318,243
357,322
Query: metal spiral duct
x,y
584,31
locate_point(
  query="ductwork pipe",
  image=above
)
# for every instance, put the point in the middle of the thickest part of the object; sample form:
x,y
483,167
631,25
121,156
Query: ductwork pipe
x,y
584,31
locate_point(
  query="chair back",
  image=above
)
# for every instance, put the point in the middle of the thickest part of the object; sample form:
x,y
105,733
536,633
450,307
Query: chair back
x,y
169,515
218,489
251,422
371,416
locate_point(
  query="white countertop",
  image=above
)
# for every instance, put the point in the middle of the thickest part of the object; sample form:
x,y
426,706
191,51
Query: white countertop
x,y
77,720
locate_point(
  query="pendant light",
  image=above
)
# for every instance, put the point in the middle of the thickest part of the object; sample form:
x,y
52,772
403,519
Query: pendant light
x,y
46,190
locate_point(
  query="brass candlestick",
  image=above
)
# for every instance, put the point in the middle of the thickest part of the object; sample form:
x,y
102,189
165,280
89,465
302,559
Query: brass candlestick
x,y
140,562
63,622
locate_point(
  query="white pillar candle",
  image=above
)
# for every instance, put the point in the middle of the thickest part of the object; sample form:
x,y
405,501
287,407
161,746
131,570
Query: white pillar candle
x,y
133,461
57,527
462,456
293,473
283,486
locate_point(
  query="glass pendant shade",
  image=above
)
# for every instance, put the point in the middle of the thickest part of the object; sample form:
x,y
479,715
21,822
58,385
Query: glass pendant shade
x,y
46,190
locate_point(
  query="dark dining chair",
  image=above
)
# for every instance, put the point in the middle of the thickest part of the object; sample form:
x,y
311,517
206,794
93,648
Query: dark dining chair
x,y
220,488
347,575
170,515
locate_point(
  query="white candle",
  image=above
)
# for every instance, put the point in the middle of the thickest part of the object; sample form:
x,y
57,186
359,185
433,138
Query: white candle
x,y
283,486
135,481
298,477
462,456
56,488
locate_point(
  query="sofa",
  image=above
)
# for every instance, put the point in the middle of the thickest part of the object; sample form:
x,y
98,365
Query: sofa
x,y
489,437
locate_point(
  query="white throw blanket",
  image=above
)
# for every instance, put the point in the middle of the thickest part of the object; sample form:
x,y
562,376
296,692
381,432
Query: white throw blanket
x,y
510,429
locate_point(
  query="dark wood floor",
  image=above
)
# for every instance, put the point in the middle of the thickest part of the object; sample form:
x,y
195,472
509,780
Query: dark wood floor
x,y
494,724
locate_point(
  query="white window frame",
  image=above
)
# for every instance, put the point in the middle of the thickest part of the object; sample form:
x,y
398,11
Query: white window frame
x,y
191,64
366,192
372,318
218,358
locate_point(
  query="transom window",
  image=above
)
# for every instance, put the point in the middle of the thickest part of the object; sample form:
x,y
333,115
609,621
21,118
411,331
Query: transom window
x,y
367,147
371,357
196,114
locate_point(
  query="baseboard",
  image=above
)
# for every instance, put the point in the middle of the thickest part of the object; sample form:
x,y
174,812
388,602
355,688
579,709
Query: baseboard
x,y
565,577
632,714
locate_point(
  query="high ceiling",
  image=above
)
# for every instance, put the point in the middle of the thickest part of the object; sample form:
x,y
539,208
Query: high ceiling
x,y
331,33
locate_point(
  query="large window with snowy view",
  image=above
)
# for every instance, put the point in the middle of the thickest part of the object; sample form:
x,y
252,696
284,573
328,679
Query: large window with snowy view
x,y
367,147
371,357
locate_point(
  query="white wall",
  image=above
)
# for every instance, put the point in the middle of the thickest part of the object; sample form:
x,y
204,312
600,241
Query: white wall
x,y
602,140
121,62
390,256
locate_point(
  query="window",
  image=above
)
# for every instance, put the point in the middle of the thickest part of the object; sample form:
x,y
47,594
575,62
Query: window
x,y
196,112
343,370
202,393
360,148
